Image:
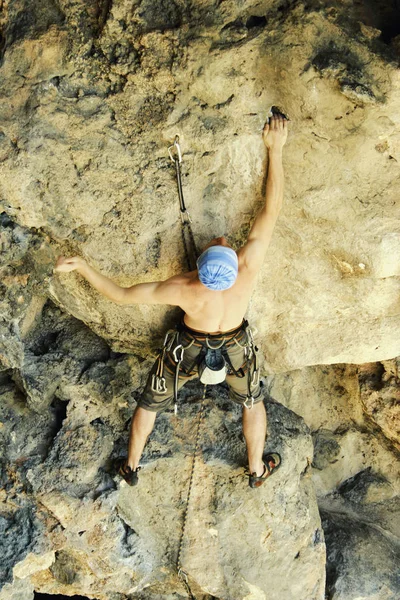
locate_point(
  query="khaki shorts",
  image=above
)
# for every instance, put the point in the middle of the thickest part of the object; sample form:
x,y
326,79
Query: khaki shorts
x,y
191,340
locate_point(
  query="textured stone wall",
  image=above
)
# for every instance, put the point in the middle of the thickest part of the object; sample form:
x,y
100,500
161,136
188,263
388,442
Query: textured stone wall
x,y
95,91
92,94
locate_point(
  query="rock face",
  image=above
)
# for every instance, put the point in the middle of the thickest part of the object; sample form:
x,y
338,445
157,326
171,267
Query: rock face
x,y
380,396
356,472
93,94
70,527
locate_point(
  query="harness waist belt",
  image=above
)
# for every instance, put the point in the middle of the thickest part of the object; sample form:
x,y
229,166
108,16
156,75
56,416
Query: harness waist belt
x,y
230,334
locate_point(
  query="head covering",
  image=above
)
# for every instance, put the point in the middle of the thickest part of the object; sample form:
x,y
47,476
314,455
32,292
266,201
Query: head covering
x,y
218,267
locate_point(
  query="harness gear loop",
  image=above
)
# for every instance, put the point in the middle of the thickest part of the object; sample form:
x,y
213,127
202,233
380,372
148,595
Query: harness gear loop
x,y
158,382
214,347
178,359
181,572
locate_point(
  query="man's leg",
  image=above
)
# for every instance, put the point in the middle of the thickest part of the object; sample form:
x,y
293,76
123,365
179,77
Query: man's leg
x,y
141,427
255,418
154,401
255,431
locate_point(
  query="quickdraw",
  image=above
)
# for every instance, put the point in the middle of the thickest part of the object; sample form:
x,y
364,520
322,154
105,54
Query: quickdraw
x,y
178,357
189,244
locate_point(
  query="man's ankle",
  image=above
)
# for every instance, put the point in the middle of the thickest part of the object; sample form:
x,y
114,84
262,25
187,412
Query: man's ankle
x,y
132,466
257,468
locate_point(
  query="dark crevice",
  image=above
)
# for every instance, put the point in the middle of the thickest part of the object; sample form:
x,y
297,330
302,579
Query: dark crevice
x,y
6,380
373,379
103,13
43,343
59,409
383,15
356,488
98,421
40,596
6,221
225,103
30,19
255,21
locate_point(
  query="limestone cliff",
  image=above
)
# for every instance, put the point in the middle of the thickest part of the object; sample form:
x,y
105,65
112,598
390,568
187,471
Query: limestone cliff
x,y
93,92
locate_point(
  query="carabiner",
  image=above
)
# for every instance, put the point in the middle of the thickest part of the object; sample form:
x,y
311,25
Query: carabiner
x,y
256,378
175,353
246,401
177,148
168,342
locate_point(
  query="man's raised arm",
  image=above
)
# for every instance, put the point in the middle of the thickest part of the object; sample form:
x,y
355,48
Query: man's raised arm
x,y
155,292
254,251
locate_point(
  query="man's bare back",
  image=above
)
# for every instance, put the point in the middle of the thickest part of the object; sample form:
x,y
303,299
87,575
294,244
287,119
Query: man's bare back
x,y
209,310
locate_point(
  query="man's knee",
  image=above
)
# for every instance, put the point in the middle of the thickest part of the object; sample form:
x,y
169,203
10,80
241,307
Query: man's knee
x,y
242,398
155,405
143,420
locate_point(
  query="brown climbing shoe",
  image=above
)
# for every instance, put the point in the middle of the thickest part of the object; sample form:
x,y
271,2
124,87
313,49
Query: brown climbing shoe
x,y
271,463
130,475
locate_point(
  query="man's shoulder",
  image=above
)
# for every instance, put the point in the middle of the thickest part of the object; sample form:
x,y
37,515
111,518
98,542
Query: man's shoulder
x,y
183,279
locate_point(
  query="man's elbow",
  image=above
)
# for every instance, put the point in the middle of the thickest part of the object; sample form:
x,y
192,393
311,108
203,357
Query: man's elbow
x,y
121,297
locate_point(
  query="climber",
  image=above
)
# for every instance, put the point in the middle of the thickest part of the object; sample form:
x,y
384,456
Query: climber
x,y
213,336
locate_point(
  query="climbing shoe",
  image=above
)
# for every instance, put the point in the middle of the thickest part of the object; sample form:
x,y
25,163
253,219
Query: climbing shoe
x,y
130,475
271,464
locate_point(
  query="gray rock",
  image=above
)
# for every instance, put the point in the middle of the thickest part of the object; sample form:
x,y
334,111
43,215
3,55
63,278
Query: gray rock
x,y
57,352
361,560
20,533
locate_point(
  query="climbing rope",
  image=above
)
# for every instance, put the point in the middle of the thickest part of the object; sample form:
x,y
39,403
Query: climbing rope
x,y
189,244
181,572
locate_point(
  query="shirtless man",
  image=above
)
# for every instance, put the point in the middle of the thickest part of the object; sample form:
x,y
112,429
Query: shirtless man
x,y
214,299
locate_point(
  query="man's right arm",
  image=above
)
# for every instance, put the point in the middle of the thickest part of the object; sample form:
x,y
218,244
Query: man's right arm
x,y
254,251
154,292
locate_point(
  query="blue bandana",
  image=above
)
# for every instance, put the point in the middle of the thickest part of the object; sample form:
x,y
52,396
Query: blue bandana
x,y
218,267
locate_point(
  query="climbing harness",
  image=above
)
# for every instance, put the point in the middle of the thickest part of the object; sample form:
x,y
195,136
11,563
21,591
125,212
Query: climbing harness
x,y
213,361
189,244
181,571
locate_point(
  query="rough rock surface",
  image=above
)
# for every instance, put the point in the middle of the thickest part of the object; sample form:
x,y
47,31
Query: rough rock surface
x,y
380,396
73,528
356,471
93,92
